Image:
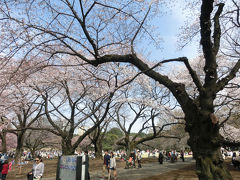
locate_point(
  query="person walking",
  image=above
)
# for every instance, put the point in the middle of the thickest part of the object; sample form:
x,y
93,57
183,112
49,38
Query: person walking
x,y
139,157
160,158
5,168
173,156
168,154
38,169
112,167
182,155
106,161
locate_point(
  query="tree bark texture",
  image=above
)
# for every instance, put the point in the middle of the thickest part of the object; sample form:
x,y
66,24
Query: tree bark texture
x,y
129,148
205,143
98,149
4,142
67,148
19,148
211,166
33,151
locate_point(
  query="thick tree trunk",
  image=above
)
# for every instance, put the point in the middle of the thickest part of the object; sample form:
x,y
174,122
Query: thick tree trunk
x,y
98,150
129,148
212,167
33,153
19,148
205,143
4,142
67,148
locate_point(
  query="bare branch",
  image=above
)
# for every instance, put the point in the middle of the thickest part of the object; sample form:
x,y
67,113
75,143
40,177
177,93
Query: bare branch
x,y
217,28
135,35
224,81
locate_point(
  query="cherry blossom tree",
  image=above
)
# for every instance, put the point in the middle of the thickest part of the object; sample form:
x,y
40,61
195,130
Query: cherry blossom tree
x,y
201,123
8,140
98,135
226,103
100,32
24,116
35,140
142,110
20,106
71,97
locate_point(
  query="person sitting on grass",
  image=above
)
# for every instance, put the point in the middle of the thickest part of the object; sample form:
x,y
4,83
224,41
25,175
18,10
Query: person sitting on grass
x,y
133,155
130,162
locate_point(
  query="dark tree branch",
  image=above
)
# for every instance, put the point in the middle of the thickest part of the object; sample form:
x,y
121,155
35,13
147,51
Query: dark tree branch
x,y
97,124
217,28
210,67
84,28
177,89
193,74
49,117
140,27
228,117
205,24
224,81
229,143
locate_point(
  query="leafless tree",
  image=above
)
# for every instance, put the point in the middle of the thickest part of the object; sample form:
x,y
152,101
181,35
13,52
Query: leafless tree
x,y
68,110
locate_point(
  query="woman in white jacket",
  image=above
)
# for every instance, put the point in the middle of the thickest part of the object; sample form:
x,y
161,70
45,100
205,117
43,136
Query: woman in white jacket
x,y
112,167
38,169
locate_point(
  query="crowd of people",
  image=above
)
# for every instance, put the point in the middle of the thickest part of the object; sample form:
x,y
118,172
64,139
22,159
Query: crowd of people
x,y
172,156
109,160
133,160
5,165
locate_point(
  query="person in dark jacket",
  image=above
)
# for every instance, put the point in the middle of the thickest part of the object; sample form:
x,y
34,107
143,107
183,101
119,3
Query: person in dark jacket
x,y
106,162
235,160
160,158
182,155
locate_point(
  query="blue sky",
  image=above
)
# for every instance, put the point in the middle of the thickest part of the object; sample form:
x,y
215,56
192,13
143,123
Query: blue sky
x,y
169,27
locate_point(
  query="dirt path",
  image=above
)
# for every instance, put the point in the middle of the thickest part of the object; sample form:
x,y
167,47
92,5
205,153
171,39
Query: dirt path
x,y
151,171
147,170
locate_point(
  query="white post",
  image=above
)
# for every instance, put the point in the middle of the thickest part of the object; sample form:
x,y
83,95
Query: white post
x,y
83,166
